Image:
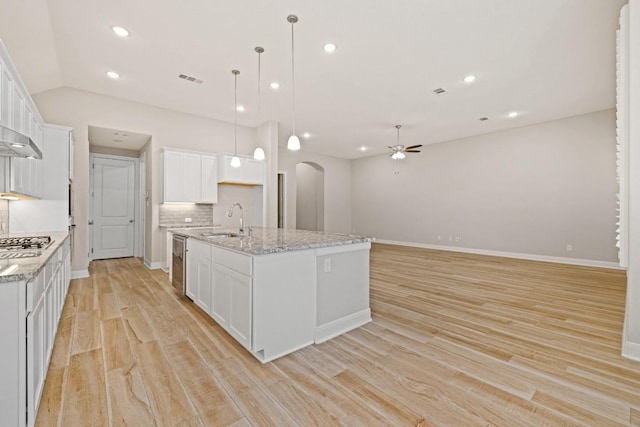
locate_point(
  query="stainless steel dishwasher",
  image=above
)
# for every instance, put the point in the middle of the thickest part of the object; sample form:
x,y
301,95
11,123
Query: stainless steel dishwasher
x,y
179,264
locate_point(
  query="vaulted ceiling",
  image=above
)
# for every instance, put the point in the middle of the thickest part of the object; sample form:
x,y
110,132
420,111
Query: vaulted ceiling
x,y
544,59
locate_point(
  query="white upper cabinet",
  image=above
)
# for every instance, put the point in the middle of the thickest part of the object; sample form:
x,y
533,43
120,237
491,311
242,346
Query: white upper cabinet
x,y
6,89
55,157
189,177
18,112
250,172
209,179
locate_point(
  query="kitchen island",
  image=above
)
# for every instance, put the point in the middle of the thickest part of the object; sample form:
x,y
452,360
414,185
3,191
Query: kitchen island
x,y
276,291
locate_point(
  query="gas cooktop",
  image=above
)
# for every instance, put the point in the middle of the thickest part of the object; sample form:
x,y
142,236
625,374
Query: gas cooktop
x,y
19,243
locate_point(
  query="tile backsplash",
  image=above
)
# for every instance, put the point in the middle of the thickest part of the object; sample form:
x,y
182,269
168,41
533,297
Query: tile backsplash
x,y
175,214
250,197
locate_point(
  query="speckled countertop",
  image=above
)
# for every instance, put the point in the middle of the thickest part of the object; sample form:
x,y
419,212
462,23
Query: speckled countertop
x,y
273,240
30,267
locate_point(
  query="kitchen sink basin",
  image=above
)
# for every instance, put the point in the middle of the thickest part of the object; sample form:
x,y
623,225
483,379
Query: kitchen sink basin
x,y
219,234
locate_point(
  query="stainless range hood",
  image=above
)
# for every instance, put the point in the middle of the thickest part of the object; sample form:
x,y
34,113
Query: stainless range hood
x,y
15,144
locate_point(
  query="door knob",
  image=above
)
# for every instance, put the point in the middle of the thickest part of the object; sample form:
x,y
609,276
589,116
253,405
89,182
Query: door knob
x,y
130,221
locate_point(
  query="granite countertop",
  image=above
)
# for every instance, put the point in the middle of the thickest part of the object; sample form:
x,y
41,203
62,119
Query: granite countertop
x,y
188,225
273,240
29,268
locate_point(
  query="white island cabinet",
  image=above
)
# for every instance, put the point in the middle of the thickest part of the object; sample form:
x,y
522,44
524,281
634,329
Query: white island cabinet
x,y
280,290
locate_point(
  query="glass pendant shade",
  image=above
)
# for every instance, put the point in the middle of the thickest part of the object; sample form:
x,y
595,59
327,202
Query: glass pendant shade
x,y
235,162
258,154
293,143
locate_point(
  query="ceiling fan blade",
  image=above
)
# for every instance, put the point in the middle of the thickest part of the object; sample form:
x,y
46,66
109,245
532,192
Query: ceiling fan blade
x,y
414,146
411,151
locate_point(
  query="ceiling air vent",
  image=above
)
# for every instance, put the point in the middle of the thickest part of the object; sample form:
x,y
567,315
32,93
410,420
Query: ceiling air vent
x,y
190,79
483,119
439,91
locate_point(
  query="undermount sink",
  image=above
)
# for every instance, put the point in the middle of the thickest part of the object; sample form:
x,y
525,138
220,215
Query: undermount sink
x,y
219,234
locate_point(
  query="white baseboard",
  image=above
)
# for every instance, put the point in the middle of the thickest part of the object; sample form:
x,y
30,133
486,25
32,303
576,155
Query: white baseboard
x,y
79,274
152,265
340,326
530,257
631,350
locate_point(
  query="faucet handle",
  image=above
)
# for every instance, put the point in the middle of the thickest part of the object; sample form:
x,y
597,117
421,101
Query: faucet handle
x,y
250,230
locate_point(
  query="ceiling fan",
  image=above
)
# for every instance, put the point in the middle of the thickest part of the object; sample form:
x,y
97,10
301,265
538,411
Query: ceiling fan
x,y
398,150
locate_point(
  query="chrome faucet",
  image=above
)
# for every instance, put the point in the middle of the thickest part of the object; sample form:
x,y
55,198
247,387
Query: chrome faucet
x,y
230,214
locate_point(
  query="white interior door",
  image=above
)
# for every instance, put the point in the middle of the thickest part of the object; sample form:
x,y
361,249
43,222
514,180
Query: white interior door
x,y
113,208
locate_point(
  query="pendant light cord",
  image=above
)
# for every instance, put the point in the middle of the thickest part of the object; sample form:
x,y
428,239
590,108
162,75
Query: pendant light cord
x,y
259,92
235,114
293,80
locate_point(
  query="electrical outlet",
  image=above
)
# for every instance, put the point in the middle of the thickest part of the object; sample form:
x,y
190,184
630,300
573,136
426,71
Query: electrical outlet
x,y
327,265
187,220
569,247
457,238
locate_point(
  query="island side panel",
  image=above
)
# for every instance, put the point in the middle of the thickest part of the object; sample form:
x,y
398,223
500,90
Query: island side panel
x,y
284,294
342,274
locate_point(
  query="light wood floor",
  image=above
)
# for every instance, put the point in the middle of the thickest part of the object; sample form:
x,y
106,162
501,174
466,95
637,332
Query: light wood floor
x,y
457,340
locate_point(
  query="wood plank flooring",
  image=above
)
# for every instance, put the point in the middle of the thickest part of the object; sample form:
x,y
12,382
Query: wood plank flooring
x,y
456,340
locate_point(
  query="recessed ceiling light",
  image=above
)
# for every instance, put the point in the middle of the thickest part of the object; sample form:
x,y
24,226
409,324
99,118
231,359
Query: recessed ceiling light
x,y
306,135
330,47
275,85
113,75
470,78
363,148
240,108
512,114
122,32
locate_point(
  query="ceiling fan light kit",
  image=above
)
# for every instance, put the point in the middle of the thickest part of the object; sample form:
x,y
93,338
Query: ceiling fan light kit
x,y
398,151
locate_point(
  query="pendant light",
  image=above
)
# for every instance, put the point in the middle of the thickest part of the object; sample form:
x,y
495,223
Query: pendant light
x,y
293,143
235,161
258,154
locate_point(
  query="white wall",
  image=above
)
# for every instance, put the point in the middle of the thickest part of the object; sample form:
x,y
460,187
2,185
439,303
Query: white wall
x,y
529,190
337,188
307,194
79,110
631,339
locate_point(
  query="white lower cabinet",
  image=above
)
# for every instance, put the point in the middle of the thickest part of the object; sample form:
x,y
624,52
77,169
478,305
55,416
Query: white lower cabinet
x,y
240,307
27,345
231,302
220,295
48,292
219,282
199,273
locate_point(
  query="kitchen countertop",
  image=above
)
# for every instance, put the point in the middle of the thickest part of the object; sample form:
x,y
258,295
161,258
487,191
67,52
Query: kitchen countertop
x,y
28,268
273,240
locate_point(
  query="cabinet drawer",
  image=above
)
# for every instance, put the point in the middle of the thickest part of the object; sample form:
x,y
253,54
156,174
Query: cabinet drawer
x,y
232,260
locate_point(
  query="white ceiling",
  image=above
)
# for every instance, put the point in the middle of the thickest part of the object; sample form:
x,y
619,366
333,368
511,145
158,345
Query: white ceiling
x,y
117,138
546,59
